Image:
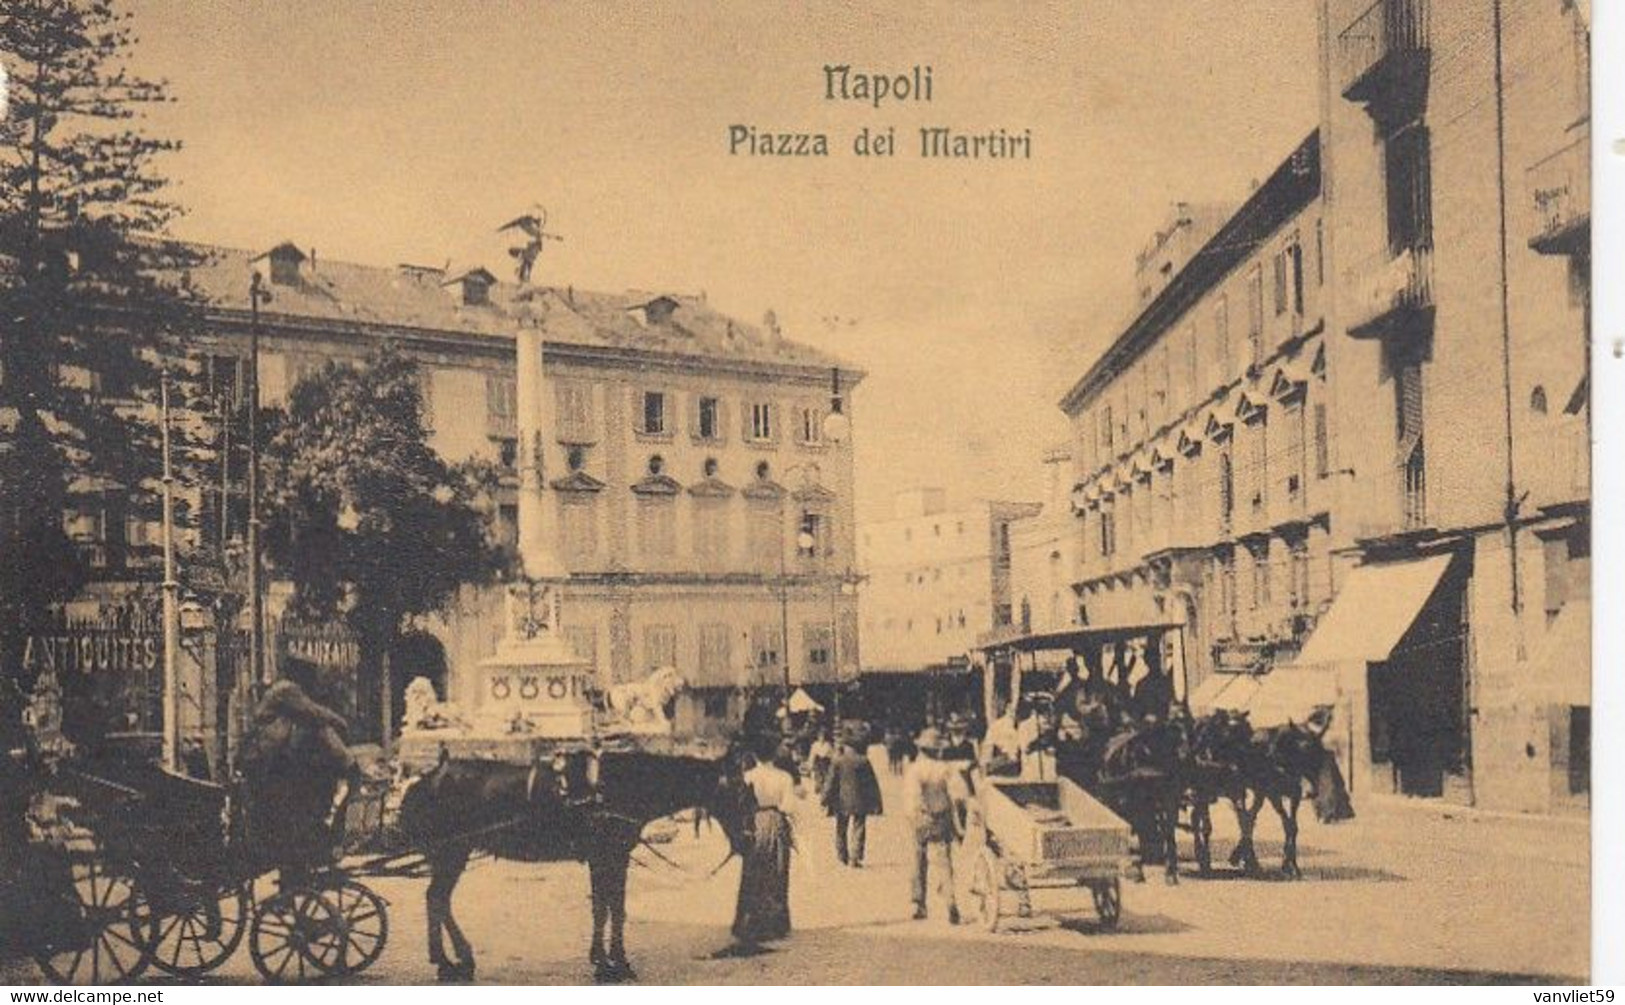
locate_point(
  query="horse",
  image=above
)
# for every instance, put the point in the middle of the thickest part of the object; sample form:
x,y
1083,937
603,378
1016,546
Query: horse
x,y
1219,743
1276,765
1135,768
585,808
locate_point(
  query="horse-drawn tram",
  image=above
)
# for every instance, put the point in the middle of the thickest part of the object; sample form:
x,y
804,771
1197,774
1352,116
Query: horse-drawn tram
x,y
1046,836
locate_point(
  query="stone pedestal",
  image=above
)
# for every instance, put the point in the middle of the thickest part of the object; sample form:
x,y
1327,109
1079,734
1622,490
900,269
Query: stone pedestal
x,y
534,684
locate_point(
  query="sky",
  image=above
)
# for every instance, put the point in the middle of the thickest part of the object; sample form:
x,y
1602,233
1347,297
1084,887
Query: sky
x,y
973,293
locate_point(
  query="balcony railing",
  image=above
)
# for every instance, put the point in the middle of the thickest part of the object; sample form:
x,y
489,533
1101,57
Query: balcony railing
x,y
1391,291
1385,45
1559,187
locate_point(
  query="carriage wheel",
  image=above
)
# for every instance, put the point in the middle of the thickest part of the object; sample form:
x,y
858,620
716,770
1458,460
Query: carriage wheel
x,y
985,886
364,917
199,932
1108,901
296,937
99,937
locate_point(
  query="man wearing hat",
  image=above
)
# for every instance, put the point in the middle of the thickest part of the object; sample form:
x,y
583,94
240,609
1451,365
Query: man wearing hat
x,y
933,792
851,794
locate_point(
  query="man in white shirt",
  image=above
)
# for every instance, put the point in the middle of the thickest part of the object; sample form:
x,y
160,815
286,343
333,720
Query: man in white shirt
x,y
933,792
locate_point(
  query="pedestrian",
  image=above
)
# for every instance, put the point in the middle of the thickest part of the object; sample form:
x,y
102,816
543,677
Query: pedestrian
x,y
851,794
933,792
820,755
763,910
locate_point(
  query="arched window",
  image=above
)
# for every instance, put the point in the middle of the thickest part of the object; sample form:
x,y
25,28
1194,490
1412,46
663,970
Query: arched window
x,y
1537,400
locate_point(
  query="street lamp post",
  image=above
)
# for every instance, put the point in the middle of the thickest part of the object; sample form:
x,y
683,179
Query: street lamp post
x,y
257,294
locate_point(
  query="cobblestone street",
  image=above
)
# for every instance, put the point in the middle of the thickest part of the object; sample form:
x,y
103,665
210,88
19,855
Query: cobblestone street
x,y
1404,893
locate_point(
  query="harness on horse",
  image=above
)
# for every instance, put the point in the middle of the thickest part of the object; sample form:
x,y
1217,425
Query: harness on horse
x,y
573,778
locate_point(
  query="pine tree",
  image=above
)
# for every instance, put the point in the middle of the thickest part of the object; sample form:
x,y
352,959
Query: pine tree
x,y
90,293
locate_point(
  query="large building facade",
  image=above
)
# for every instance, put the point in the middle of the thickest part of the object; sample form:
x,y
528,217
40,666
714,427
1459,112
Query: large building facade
x,y
1456,162
1345,439
691,491
936,579
1201,436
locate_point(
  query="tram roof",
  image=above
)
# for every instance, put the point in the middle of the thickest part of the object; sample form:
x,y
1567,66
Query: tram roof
x,y
1074,638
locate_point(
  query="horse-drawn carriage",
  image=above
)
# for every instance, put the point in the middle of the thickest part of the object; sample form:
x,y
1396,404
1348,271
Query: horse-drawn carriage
x,y
154,869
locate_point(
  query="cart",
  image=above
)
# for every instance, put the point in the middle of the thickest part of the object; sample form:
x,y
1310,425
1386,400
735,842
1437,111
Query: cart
x,y
153,871
1046,836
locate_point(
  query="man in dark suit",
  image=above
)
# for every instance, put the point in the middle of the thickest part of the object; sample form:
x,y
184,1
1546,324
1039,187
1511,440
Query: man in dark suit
x,y
851,793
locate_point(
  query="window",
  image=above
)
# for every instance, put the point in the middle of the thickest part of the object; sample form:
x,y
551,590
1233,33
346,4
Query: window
x,y
1320,253
765,536
659,646
578,528
1295,260
1003,614
223,381
1323,457
1255,314
759,422
1227,491
657,528
715,663
1294,451
818,642
711,534
1408,169
811,431
1537,400
501,406
1190,366
1108,533
1579,749
654,413
766,646
1106,430
1568,570
1002,557
1260,554
575,418
508,452
1258,463
1221,339
709,420
1280,282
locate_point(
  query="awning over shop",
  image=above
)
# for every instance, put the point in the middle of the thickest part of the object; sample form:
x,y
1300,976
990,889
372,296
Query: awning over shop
x,y
1561,661
1373,611
1230,691
1290,694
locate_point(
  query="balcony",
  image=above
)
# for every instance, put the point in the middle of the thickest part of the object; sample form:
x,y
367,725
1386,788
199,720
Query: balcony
x,y
1384,53
1392,294
1559,188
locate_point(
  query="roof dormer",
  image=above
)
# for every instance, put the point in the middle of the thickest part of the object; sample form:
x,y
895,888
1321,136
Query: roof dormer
x,y
472,288
656,312
282,265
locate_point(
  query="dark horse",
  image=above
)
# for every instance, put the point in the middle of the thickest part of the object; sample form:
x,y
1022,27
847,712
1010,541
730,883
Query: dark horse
x,y
1277,766
557,812
1136,769
1220,746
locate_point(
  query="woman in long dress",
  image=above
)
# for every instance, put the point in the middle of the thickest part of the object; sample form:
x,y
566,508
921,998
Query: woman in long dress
x,y
763,912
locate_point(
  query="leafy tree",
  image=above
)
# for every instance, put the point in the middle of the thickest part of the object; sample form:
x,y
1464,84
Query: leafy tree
x,y
88,293
366,520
